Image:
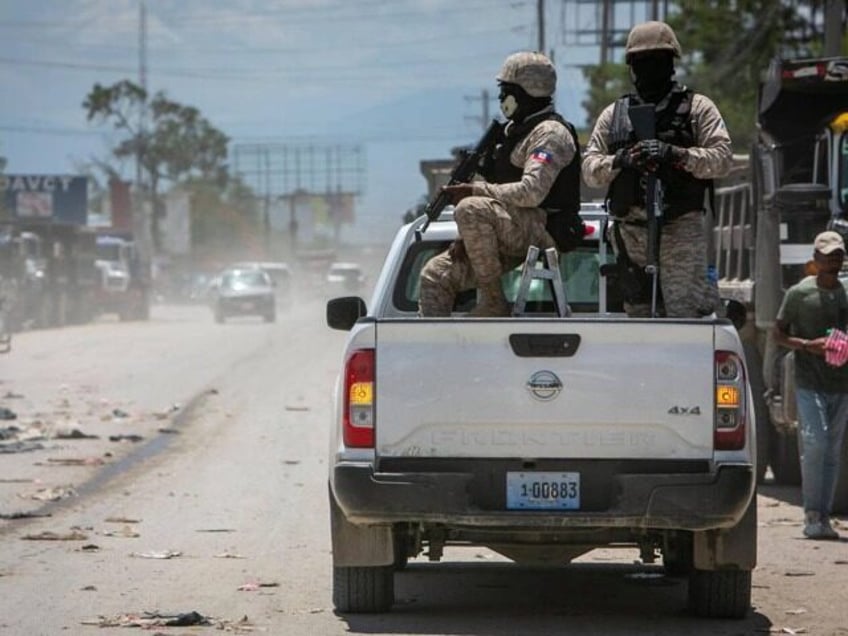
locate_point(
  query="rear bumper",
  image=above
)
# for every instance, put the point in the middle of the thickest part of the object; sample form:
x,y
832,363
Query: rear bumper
x,y
701,501
248,306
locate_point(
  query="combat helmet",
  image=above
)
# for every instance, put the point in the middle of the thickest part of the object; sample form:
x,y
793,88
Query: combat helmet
x,y
532,71
651,36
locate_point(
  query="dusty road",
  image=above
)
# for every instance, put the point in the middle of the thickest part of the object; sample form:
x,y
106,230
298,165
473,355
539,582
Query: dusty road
x,y
229,481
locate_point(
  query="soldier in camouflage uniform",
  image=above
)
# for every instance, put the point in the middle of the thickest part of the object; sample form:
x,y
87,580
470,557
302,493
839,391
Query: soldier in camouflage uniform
x,y
499,218
692,148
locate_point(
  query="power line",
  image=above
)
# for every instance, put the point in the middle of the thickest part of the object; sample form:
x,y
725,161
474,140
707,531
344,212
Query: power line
x,y
341,73
44,130
241,50
343,11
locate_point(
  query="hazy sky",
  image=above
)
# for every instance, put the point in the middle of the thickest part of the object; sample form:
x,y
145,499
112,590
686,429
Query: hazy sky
x,y
401,78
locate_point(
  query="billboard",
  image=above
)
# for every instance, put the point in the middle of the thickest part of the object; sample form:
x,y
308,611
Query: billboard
x,y
45,197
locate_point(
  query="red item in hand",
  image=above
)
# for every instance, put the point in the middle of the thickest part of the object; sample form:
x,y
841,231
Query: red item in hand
x,y
836,348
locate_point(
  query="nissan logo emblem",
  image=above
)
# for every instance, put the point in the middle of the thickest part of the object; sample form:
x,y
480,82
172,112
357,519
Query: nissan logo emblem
x,y
544,385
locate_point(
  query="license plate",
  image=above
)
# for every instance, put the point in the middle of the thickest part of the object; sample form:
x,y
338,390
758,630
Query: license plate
x,y
542,491
247,306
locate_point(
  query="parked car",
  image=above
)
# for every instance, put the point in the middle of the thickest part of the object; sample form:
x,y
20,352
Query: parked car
x,y
347,276
243,291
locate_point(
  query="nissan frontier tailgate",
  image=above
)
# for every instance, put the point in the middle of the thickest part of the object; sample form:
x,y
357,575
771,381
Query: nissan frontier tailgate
x,y
537,388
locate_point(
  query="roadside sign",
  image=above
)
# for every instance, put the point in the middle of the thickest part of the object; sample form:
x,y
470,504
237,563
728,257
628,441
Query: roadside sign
x,y
48,197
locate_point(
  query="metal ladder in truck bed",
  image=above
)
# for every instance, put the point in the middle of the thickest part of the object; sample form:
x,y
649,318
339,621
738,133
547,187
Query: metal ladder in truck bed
x,y
543,267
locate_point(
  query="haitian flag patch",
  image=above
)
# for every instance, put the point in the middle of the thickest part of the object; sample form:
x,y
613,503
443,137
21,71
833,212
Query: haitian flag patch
x,y
542,156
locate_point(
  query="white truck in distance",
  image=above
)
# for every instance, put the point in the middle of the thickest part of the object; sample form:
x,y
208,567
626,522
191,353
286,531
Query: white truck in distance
x,y
536,436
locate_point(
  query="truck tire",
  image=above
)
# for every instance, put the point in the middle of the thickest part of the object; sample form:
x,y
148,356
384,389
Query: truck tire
x,y
754,362
401,541
361,590
678,559
720,593
785,460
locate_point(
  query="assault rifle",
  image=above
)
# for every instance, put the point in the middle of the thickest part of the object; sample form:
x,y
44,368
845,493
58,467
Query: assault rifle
x,y
642,117
469,163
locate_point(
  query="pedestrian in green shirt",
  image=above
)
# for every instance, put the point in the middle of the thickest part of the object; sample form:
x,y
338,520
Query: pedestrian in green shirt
x,y
810,309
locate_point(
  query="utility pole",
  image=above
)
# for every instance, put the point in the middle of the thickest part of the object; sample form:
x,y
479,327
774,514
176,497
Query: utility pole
x,y
142,81
833,27
606,9
485,118
540,12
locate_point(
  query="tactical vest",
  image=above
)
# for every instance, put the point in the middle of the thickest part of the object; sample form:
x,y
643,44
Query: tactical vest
x,y
565,193
682,192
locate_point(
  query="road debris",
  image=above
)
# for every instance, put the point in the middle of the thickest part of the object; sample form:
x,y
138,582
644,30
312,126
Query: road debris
x,y
47,535
72,433
229,555
127,532
121,520
7,414
215,530
73,461
253,586
165,414
20,447
51,494
162,554
126,438
24,515
89,547
146,620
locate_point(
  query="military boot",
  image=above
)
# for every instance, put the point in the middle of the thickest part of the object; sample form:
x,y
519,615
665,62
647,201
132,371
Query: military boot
x,y
491,302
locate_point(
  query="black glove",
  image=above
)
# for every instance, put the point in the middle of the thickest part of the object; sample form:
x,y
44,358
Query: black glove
x,y
635,158
622,159
660,152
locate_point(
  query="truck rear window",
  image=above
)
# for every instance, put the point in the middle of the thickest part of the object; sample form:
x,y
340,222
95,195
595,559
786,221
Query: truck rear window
x,y
580,270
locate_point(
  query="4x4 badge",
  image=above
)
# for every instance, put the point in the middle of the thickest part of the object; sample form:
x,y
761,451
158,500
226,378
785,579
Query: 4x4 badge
x,y
684,410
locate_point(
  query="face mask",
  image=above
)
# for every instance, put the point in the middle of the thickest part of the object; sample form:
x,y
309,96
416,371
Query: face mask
x,y
509,106
651,74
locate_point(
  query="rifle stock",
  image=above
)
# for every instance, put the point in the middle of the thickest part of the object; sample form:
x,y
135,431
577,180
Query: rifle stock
x,y
643,118
463,172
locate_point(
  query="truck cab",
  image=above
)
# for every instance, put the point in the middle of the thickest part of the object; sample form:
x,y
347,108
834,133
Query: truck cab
x,y
124,285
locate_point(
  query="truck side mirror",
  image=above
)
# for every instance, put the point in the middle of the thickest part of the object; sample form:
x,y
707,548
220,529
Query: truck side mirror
x,y
342,313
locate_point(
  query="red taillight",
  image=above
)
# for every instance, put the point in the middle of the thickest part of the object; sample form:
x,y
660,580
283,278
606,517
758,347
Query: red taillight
x,y
730,397
358,418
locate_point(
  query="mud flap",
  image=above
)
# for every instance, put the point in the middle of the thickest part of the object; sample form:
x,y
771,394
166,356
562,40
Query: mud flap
x,y
359,546
734,548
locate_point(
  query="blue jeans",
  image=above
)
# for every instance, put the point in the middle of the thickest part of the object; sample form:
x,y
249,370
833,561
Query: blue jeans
x,y
822,418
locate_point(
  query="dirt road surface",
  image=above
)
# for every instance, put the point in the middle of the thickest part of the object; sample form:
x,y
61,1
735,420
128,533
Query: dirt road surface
x,y
210,497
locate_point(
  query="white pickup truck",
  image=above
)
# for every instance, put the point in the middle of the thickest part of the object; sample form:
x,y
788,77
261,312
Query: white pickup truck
x,y
537,436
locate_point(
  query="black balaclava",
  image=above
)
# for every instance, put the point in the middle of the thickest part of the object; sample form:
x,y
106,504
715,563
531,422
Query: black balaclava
x,y
652,73
517,104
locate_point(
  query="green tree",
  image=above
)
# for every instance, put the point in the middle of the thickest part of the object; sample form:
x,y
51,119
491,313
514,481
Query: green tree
x,y
225,219
171,141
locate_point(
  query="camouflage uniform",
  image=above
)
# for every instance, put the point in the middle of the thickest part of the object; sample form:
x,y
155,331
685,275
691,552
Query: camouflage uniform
x,y
682,255
500,221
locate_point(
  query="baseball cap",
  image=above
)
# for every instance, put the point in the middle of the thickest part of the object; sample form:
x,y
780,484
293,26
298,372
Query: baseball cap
x,y
828,242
